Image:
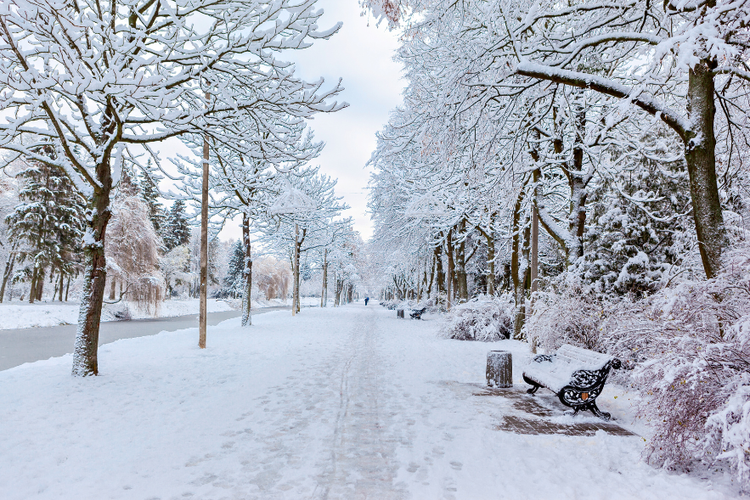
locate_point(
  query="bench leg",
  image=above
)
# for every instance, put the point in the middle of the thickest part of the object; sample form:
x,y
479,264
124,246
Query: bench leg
x,y
596,411
534,386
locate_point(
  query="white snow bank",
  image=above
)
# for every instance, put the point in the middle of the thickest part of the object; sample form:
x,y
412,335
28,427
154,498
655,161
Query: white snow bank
x,y
333,403
19,315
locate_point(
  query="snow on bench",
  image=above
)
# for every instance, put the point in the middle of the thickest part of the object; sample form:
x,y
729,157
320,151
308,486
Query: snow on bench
x,y
576,375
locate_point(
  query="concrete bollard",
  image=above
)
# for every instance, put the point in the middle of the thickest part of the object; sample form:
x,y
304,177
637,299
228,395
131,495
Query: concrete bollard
x,y
499,369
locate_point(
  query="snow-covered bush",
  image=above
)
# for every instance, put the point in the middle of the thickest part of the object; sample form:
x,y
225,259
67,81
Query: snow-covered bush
x,y
571,316
484,318
692,345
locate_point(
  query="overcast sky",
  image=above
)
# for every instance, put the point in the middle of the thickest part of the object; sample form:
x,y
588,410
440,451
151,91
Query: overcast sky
x,y
361,54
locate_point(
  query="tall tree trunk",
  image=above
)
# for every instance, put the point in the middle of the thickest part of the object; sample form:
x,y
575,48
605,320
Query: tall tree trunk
x,y
295,294
32,288
463,288
112,288
6,274
203,301
518,274
247,272
62,285
520,319
700,145
40,283
439,273
85,361
67,288
451,268
324,291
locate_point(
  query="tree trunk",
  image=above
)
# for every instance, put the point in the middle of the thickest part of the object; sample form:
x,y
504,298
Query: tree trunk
x,y
463,288
67,288
6,274
700,145
520,318
40,283
295,270
439,273
62,285
32,288
247,272
112,290
324,291
85,360
451,285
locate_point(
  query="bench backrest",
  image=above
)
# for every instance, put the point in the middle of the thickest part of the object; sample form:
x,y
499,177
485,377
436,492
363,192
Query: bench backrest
x,y
584,358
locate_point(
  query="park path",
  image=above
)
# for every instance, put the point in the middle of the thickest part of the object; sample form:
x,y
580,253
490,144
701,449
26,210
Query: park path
x,y
339,403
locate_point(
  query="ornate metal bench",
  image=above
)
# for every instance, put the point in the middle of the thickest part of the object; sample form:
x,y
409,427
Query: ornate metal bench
x,y
576,375
417,313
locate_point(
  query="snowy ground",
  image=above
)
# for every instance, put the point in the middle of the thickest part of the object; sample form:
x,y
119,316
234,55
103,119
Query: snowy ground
x,y
24,315
343,403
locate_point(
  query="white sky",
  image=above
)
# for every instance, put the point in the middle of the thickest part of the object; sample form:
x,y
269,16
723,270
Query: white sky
x,y
361,55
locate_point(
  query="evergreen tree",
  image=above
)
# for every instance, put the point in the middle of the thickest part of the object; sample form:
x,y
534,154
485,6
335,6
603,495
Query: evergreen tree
x,y
47,226
150,195
177,231
233,281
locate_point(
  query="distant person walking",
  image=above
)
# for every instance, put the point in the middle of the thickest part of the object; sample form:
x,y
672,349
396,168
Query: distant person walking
x,y
367,299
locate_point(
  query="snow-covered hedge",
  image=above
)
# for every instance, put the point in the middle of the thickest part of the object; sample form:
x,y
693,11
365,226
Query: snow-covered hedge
x,y
484,318
690,345
572,316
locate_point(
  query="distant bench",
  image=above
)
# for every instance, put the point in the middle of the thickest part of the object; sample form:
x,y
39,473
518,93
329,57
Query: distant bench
x,y
576,375
417,313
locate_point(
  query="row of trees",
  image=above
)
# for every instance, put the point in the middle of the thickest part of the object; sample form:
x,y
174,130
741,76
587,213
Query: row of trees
x,y
554,138
588,159
101,86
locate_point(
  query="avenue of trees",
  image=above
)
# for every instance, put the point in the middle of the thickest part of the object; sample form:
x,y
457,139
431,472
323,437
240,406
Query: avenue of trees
x,y
585,162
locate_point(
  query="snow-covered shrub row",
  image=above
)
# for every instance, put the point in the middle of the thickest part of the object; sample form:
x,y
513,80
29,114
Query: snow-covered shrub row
x,y
690,346
484,318
571,316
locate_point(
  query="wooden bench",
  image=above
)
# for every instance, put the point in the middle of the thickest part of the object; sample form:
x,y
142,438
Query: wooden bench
x,y
417,313
576,375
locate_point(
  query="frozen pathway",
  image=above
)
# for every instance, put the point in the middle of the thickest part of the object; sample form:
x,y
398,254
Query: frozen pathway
x,y
346,403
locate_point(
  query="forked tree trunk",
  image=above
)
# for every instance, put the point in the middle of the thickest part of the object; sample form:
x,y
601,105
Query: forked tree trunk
x,y
85,360
247,272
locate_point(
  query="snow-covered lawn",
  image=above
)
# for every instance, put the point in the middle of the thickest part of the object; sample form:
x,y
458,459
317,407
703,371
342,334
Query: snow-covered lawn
x,y
23,315
333,403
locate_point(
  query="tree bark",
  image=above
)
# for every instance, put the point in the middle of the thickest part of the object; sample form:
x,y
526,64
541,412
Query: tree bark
x,y
700,148
324,291
449,251
247,272
439,273
85,361
203,301
295,270
112,289
62,285
6,274
463,288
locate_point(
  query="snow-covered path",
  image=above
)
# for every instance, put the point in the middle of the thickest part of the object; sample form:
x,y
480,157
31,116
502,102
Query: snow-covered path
x,y
346,403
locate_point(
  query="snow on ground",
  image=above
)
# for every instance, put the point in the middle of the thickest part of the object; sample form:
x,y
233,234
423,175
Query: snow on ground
x,y
15,315
333,403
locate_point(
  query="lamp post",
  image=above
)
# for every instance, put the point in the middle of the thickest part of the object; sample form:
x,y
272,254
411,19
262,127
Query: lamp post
x,y
292,202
